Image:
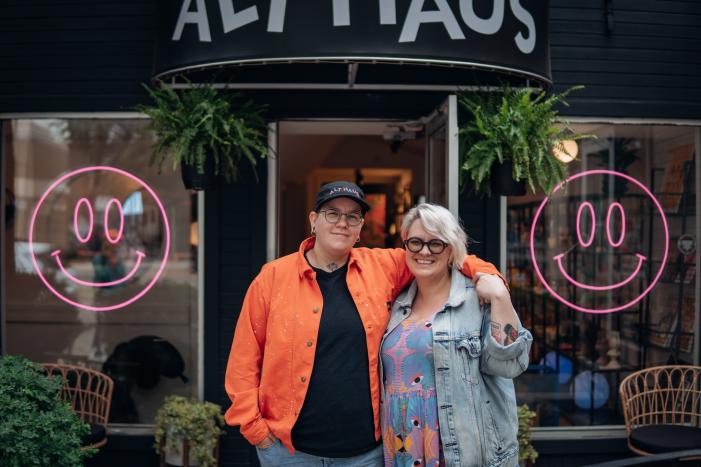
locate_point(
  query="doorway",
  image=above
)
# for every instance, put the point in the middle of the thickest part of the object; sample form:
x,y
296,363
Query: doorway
x,y
393,162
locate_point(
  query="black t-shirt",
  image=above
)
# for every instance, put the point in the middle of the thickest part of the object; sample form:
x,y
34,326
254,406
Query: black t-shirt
x,y
336,419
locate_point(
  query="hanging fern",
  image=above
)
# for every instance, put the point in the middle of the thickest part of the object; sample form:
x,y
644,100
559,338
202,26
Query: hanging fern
x,y
202,122
516,124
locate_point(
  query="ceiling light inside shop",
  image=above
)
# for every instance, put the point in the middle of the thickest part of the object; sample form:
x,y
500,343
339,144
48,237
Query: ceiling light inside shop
x,y
566,151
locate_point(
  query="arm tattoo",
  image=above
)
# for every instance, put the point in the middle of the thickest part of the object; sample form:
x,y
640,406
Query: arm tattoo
x,y
510,334
497,334
332,266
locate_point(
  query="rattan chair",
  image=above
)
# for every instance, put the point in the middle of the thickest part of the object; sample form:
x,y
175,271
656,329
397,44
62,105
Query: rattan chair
x,y
662,409
90,394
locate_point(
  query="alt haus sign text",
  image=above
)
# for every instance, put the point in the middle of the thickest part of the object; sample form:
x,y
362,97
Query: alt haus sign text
x,y
510,35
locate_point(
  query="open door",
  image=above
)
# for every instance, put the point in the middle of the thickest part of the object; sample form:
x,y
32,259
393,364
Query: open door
x,y
442,155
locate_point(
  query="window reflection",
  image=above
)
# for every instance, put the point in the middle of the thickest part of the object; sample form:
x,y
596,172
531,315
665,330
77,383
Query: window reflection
x,y
99,239
597,227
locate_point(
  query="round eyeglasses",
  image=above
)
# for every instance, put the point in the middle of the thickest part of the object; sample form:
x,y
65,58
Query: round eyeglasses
x,y
415,244
333,217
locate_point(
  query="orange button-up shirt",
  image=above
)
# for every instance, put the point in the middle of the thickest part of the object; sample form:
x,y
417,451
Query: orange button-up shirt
x,y
272,354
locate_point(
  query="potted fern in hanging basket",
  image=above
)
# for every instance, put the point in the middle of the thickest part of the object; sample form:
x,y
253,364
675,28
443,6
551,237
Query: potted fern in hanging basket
x,y
208,133
508,142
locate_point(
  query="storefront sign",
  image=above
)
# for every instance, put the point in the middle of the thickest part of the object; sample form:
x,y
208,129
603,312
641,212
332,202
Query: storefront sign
x,y
494,34
559,281
105,263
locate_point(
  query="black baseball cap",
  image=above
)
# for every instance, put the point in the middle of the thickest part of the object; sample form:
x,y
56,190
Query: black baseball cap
x,y
341,189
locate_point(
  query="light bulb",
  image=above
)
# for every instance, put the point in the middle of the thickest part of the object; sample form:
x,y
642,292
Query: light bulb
x,y
566,151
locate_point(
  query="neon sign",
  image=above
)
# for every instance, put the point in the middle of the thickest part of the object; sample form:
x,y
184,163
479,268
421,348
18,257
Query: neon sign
x,y
585,240
112,236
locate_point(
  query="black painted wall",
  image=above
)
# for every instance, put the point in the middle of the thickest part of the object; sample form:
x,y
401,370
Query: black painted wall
x,y
234,254
647,65
92,55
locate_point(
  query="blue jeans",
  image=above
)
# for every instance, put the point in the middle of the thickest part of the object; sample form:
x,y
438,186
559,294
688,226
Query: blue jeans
x,y
278,455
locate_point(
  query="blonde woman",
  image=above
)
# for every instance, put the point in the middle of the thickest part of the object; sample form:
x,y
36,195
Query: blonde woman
x,y
447,362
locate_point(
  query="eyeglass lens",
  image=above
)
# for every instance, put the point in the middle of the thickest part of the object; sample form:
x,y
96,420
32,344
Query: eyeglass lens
x,y
415,245
333,217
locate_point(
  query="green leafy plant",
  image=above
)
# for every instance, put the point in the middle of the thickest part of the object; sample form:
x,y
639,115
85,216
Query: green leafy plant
x,y
516,124
199,423
203,122
37,429
526,452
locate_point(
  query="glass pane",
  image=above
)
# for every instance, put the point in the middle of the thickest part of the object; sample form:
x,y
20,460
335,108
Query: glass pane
x,y
100,264
590,276
437,167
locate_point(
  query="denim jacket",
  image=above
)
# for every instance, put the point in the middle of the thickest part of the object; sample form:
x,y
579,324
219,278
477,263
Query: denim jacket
x,y
477,415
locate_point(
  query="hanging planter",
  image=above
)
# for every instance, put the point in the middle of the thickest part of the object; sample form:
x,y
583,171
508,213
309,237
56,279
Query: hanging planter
x,y
507,144
501,180
194,180
205,132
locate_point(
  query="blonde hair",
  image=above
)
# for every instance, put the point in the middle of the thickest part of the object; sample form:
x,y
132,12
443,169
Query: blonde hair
x,y
440,222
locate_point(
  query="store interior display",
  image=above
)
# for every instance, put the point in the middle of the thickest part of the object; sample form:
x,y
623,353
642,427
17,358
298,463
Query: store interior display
x,y
586,355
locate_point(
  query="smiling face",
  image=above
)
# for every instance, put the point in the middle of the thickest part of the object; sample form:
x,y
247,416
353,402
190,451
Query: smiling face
x,y
601,240
586,240
336,239
112,237
100,241
424,264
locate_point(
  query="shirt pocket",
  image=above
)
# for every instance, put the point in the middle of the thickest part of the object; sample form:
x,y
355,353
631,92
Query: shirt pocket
x,y
469,350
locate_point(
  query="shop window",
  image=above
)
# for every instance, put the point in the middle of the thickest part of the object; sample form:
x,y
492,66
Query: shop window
x,y
100,270
592,279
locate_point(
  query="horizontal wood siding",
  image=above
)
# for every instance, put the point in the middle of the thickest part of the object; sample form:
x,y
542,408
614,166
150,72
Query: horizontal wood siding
x,y
75,55
647,66
234,253
92,55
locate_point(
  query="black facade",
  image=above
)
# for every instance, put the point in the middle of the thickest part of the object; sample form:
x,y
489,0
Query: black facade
x,y
637,59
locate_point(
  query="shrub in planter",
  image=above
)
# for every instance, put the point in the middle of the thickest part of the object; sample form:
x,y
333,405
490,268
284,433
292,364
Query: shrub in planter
x,y
514,130
207,132
36,427
526,452
199,423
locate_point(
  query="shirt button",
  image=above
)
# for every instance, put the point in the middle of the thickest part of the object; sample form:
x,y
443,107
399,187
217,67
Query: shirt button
x,y
309,343
303,379
315,309
369,326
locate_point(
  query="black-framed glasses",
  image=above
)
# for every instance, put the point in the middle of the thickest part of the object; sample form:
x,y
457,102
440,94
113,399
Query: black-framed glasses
x,y
333,216
415,244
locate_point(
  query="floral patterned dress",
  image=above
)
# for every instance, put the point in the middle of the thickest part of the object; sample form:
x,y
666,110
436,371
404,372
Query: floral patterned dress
x,y
410,409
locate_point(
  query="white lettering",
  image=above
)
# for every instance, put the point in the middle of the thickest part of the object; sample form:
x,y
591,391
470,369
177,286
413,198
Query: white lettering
x,y
341,13
524,45
416,17
198,18
276,20
490,25
232,20
388,11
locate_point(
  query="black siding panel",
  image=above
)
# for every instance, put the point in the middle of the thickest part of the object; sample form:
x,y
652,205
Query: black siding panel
x,y
82,55
646,66
75,55
235,217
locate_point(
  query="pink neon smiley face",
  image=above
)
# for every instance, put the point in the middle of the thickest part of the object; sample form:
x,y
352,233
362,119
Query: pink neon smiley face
x,y
109,236
73,287
587,228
